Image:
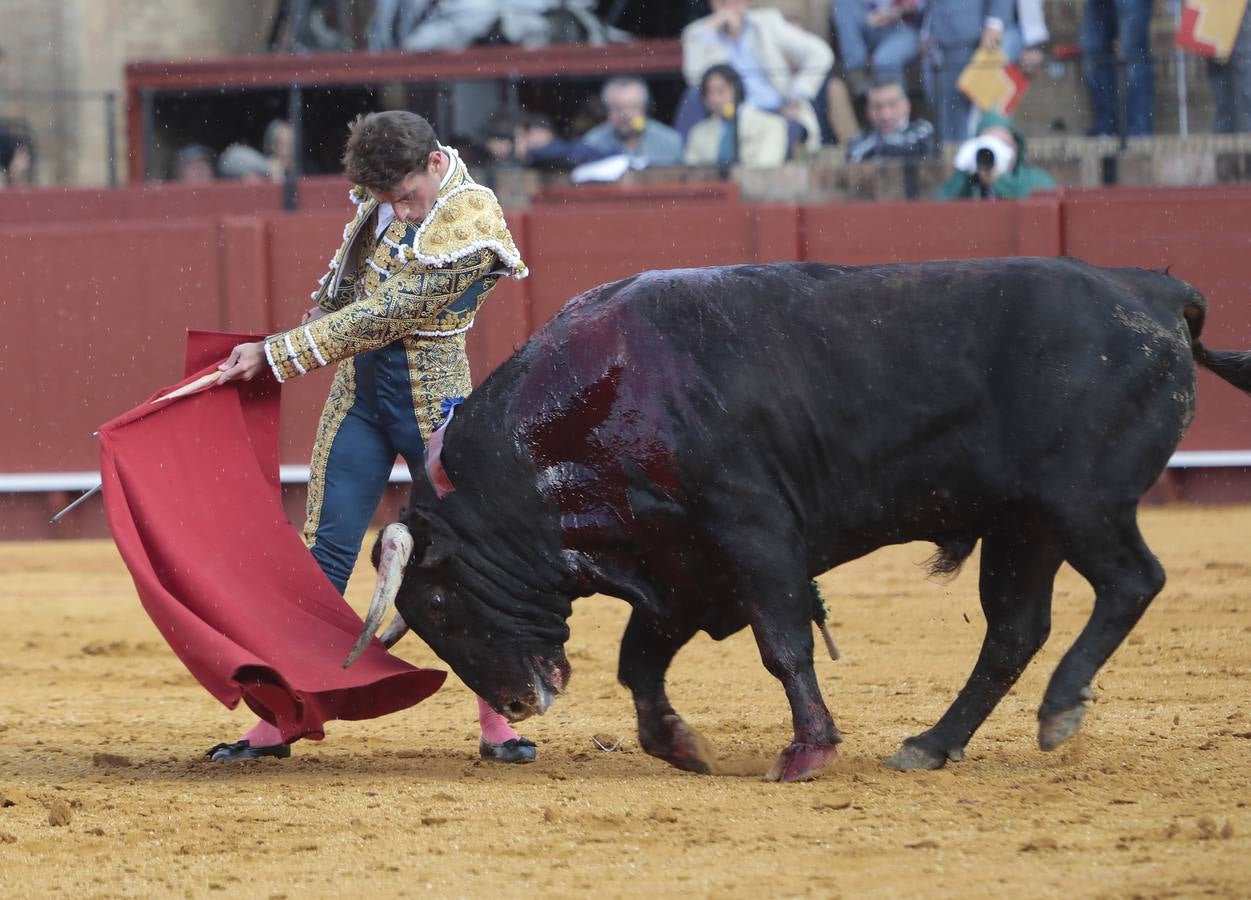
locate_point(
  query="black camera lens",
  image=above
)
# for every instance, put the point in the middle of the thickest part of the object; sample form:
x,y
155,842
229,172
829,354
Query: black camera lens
x,y
985,158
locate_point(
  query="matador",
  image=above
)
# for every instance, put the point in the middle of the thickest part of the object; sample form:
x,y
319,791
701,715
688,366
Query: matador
x,y
426,247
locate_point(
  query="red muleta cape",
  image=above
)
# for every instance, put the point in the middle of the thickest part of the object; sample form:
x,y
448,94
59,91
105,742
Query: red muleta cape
x,y
192,495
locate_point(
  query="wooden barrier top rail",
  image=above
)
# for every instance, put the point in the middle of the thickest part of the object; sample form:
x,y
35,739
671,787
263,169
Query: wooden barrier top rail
x,y
326,69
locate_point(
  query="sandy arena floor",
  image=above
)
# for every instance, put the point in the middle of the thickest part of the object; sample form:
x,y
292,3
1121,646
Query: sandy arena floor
x,y
101,725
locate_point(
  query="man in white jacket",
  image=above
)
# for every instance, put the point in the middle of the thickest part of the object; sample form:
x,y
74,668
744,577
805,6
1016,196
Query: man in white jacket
x,y
782,66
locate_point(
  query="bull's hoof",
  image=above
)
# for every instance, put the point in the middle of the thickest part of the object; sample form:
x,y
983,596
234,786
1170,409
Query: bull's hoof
x,y
913,755
678,744
1055,729
799,762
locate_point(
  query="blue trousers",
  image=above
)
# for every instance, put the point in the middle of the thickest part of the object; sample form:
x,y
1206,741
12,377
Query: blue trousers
x,y
891,48
952,109
1231,84
1116,36
369,419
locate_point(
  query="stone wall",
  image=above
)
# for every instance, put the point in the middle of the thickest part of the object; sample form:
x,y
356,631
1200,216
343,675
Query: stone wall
x,y
76,49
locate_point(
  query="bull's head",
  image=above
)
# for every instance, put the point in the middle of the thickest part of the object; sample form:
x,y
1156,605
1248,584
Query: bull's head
x,y
495,632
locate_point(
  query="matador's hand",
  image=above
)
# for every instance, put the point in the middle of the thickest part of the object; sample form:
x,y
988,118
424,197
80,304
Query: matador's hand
x,y
244,363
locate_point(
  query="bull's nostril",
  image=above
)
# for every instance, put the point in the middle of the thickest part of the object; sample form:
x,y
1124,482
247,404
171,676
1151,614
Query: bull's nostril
x,y
516,707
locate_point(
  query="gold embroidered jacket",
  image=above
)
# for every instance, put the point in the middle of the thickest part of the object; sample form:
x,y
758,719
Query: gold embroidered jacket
x,y
421,284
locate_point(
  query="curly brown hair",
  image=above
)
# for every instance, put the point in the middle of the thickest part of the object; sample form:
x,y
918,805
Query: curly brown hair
x,y
384,148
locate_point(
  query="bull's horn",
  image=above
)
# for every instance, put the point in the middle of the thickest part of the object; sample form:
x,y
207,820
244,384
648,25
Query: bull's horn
x,y
396,630
397,547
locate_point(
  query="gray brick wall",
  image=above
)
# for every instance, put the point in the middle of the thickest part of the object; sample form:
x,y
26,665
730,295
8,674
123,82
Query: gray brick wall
x,y
79,48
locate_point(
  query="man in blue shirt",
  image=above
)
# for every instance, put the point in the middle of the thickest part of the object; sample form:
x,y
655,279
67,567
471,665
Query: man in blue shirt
x,y
630,130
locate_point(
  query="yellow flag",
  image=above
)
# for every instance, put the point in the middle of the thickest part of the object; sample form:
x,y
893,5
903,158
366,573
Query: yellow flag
x,y
1210,27
991,82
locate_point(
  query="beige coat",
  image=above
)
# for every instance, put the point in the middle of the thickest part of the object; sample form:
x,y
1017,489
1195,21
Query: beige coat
x,y
761,139
794,61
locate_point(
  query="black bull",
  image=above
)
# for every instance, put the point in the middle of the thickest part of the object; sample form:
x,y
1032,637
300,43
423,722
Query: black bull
x,y
702,443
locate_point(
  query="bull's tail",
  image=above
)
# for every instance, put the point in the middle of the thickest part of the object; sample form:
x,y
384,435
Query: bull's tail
x,y
1233,366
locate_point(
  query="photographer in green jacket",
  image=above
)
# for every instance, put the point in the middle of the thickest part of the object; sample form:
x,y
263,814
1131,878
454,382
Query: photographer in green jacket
x,y
991,166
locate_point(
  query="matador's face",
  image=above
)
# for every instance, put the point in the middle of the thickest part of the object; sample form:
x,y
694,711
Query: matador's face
x,y
413,198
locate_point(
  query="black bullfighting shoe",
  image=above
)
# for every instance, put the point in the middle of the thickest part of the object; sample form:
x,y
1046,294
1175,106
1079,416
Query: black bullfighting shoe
x,y
244,750
514,750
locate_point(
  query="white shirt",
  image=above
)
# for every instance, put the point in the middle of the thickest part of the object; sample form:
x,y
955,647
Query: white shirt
x,y
386,215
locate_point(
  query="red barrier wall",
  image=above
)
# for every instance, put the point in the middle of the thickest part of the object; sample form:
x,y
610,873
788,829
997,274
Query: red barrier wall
x,y
573,248
94,315
867,233
93,323
163,200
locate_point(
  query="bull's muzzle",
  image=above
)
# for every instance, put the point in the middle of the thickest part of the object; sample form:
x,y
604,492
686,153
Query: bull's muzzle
x,y
397,548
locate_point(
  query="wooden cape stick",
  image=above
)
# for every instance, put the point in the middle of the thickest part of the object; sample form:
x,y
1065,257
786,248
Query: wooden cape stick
x,y
204,381
199,384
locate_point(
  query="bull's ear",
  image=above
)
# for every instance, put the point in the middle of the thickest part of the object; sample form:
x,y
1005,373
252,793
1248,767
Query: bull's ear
x,y
431,538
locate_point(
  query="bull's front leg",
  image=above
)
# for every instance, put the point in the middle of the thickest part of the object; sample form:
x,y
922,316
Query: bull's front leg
x,y
647,649
782,626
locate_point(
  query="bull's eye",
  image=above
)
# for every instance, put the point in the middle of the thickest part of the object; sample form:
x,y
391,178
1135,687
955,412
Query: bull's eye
x,y
437,603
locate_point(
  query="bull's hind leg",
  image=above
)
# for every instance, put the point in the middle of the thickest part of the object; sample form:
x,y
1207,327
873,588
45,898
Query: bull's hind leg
x,y
647,649
1019,565
1109,552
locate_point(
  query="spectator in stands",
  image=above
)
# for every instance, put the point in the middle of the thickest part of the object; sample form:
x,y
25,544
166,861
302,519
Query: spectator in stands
x,y
538,147
783,67
1025,35
472,153
278,145
499,140
193,163
991,166
1231,84
952,31
239,162
629,129
735,132
1116,35
422,25
892,133
883,33
17,161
